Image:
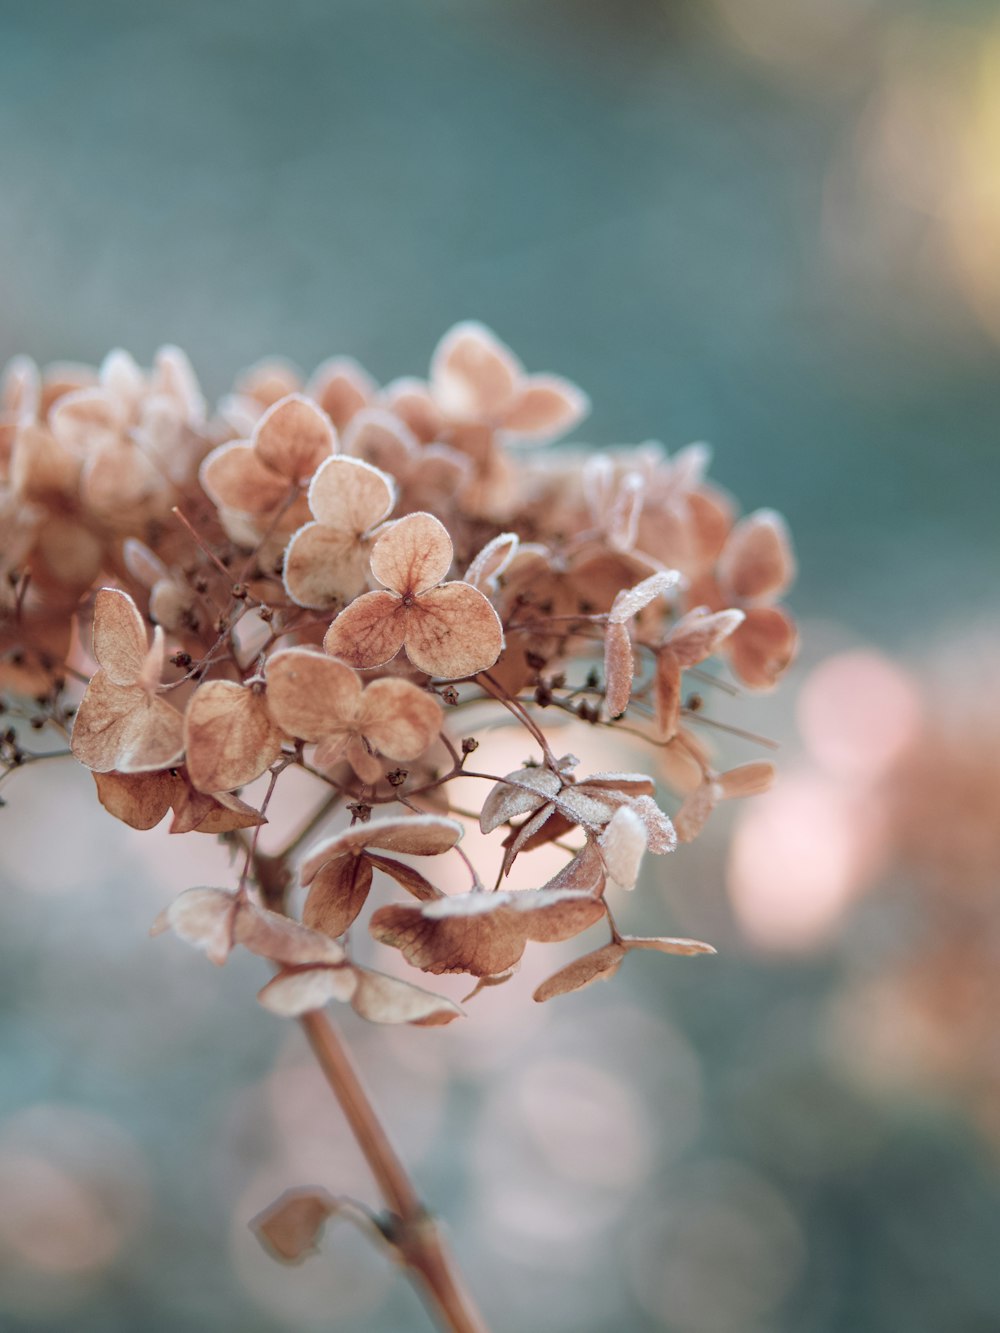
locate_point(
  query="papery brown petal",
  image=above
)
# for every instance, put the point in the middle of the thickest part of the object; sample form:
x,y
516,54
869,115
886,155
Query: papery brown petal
x,y
309,694
229,736
747,780
41,468
667,693
383,440
478,945
623,844
491,561
137,799
763,647
699,634
384,999
204,918
191,808
413,835
236,478
368,767
120,638
276,937
405,876
757,561
630,601
711,519
554,914
600,965
413,554
520,792
291,1227
619,667
293,437
547,406
120,727
226,812
411,401
472,373
369,632
620,784
532,832
338,891
342,387
693,815
668,944
453,632
296,991
350,495
399,719
324,566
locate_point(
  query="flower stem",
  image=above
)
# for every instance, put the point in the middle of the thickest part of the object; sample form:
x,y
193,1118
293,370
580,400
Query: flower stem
x,y
414,1232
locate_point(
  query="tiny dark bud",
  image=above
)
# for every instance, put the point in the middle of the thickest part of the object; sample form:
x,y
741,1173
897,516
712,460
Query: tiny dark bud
x,y
535,661
240,591
360,813
694,703
180,659
265,613
469,743
543,696
397,777
37,723
558,681
201,584
221,624
449,694
593,679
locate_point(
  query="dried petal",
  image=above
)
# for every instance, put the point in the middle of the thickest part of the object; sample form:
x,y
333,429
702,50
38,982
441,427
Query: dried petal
x,y
699,634
384,999
297,991
273,936
546,407
520,792
291,1227
309,694
236,478
369,632
763,647
204,918
600,965
323,566
667,944
472,373
413,835
342,387
351,496
695,810
630,601
667,693
491,562
120,638
137,799
757,562
412,555
747,780
623,844
453,632
405,876
619,668
338,891
399,719
229,736
293,437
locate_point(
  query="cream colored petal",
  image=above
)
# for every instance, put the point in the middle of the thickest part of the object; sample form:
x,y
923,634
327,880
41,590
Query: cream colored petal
x,y
235,478
120,638
413,554
293,437
300,991
310,695
383,999
369,632
154,738
323,567
410,400
230,737
757,562
382,439
473,374
351,495
545,407
399,719
342,387
453,632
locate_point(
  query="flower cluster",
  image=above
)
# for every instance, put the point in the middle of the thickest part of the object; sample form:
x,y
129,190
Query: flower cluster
x,y
350,580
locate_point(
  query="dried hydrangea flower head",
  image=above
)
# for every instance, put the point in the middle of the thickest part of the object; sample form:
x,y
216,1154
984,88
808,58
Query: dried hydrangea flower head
x,y
280,586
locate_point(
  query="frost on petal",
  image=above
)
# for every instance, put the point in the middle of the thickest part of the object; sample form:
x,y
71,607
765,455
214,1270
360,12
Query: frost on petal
x,y
763,647
293,437
491,562
747,780
337,893
323,567
546,407
668,944
290,1228
630,601
473,374
521,792
384,999
342,387
309,694
204,918
229,736
235,478
412,555
281,940
699,634
619,668
667,693
399,719
120,638
137,799
623,844
296,991
695,810
660,831
453,632
350,495
369,632
757,561
600,965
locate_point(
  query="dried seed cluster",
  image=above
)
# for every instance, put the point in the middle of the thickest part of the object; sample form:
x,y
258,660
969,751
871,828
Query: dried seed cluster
x,y
333,576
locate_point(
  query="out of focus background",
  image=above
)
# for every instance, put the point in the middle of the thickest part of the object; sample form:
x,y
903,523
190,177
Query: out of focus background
x,y
770,224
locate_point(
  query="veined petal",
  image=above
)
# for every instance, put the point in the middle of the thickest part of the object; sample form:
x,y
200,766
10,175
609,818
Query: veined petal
x,y
350,495
234,477
309,694
293,437
453,632
412,555
399,719
369,632
324,566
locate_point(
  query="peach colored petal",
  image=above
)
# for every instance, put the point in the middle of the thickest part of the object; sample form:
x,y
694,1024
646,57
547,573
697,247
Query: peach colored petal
x,y
699,634
342,387
120,637
309,695
291,1227
351,495
41,468
667,693
234,477
757,562
225,813
331,748
601,965
296,992
366,765
547,406
763,647
369,632
383,999
268,380
323,566
683,948
492,560
619,667
337,893
381,439
630,601
453,632
293,437
413,554
274,936
473,374
120,727
695,810
399,719
229,736
411,401
137,799
85,418
747,780
414,835
154,738
204,918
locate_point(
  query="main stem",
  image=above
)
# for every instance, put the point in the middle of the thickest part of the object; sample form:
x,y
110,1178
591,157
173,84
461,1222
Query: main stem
x,y
416,1235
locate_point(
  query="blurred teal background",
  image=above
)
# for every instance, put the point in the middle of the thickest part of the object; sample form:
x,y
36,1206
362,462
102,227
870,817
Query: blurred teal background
x,y
771,224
